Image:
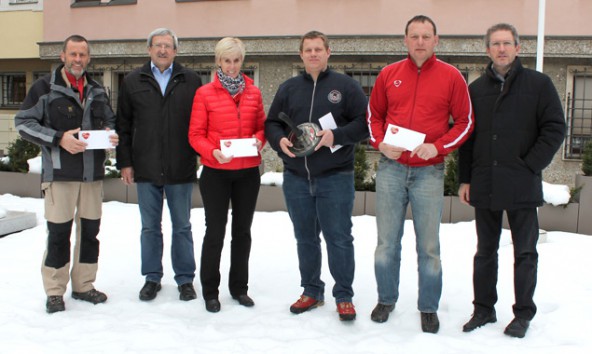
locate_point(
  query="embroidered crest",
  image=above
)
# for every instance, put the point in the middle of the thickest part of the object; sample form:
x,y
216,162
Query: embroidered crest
x,y
397,83
334,96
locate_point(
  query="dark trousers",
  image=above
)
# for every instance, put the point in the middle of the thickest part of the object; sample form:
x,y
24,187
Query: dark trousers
x,y
524,227
218,189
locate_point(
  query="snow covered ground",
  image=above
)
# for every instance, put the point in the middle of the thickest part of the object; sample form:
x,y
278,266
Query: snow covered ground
x,y
124,324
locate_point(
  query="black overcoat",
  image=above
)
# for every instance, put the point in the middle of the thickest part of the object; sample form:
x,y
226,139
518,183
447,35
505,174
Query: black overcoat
x,y
519,126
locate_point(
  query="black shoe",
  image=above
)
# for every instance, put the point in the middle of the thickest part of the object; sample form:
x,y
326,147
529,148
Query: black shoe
x,y
187,292
478,320
381,312
517,328
149,290
55,304
430,322
213,305
93,296
244,300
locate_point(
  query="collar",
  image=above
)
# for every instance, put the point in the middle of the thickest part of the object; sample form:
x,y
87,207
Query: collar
x,y
426,65
167,70
515,68
322,74
73,80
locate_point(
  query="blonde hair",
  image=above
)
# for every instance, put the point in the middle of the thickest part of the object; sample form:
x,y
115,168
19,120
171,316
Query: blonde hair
x,y
229,45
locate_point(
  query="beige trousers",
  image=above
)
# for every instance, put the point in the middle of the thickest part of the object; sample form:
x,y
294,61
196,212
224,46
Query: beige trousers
x,y
63,202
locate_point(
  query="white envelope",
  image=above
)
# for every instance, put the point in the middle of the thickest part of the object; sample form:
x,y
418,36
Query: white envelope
x,y
328,123
96,139
403,137
239,147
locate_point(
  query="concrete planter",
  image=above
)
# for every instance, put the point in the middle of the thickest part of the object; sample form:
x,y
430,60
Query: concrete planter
x,y
21,184
585,199
559,218
196,201
359,203
271,198
460,212
370,203
114,190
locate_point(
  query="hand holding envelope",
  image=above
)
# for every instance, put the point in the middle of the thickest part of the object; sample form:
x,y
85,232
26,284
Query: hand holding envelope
x,y
403,137
239,147
98,139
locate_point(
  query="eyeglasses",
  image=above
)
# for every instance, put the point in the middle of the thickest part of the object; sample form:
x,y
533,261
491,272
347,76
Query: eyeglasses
x,y
501,44
164,46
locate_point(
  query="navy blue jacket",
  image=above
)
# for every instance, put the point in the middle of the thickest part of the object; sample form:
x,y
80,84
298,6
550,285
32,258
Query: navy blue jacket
x,y
303,100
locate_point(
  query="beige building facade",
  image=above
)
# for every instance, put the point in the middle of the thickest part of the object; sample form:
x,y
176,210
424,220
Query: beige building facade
x,y
365,36
21,25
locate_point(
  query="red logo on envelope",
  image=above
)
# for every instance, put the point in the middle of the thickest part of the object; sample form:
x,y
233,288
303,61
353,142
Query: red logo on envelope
x,y
227,143
85,135
394,130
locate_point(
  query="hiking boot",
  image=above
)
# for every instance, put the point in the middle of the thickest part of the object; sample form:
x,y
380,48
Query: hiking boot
x,y
517,328
346,310
244,300
430,322
55,304
93,296
149,290
304,304
186,292
478,320
213,305
381,312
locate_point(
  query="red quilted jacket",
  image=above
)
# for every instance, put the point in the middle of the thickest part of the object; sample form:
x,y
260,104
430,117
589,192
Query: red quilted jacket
x,y
216,115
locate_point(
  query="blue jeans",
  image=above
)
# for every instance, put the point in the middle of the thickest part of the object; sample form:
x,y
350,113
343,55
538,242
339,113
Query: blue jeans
x,y
324,204
150,200
397,186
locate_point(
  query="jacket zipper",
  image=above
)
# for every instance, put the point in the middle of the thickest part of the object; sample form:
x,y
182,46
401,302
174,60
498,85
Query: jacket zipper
x,y
314,88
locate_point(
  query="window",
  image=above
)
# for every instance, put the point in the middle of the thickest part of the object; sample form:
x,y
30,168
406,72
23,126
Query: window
x,y
85,3
365,76
205,75
578,112
23,1
39,74
13,88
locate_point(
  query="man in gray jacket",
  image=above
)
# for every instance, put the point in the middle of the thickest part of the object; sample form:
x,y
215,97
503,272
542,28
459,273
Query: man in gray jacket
x,y
56,108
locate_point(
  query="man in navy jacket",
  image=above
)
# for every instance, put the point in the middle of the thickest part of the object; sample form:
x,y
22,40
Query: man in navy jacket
x,y
319,189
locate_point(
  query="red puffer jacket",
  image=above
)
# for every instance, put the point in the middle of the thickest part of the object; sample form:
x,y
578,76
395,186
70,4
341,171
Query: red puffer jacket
x,y
216,115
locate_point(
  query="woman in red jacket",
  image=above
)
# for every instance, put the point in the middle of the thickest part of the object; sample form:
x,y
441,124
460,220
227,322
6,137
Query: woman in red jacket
x,y
226,129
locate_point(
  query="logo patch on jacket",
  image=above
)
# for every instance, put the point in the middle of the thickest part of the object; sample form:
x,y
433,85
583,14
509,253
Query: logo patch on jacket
x,y
397,83
334,96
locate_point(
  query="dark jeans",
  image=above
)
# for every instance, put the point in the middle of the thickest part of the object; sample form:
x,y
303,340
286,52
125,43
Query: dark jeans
x,y
218,189
525,233
323,203
150,201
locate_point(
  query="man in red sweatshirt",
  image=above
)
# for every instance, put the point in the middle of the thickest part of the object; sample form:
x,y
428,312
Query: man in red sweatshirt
x,y
421,94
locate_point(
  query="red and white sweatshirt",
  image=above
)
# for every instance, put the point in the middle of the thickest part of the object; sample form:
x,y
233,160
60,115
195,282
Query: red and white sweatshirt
x,y
426,100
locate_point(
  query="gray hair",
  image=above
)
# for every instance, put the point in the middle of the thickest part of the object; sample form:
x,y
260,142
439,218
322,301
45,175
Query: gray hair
x,y
502,27
163,32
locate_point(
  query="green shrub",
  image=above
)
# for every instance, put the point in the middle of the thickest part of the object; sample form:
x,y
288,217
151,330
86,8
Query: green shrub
x,y
361,167
451,183
19,151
